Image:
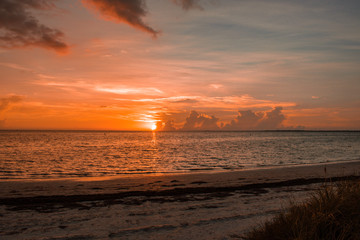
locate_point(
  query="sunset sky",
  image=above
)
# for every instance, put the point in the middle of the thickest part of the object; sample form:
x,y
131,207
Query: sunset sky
x,y
180,64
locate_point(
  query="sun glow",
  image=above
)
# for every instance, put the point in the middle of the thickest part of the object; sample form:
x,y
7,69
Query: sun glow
x,y
153,127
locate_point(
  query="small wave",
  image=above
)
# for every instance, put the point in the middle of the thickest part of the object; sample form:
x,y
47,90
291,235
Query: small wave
x,y
147,229
200,169
76,237
9,171
233,168
150,150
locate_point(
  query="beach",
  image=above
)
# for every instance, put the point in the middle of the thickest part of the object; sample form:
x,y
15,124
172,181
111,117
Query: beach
x,y
221,205
179,119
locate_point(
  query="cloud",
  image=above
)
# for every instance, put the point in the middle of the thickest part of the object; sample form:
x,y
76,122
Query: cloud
x,y
246,120
175,99
115,89
196,121
272,120
165,126
130,12
188,4
226,102
127,90
6,104
249,120
19,28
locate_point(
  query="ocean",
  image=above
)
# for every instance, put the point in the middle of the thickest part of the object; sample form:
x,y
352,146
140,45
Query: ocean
x,y
67,154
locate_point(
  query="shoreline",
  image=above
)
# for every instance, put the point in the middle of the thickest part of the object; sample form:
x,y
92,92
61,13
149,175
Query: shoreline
x,y
186,206
230,180
68,200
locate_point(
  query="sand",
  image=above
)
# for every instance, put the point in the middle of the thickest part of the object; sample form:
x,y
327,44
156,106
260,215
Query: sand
x,y
220,205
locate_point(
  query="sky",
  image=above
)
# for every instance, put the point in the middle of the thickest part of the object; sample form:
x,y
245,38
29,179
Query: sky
x,y
180,64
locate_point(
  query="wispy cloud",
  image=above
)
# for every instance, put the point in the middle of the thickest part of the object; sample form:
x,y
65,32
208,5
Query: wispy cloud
x,y
21,29
175,99
127,90
226,102
188,4
15,66
5,104
116,89
130,12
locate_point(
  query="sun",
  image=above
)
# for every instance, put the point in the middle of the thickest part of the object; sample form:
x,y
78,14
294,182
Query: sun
x,y
153,127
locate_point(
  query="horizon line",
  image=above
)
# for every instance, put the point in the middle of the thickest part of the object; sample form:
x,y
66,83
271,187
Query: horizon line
x,y
107,130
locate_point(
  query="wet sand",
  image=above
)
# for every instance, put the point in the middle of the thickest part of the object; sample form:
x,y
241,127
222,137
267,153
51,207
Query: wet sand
x,y
184,206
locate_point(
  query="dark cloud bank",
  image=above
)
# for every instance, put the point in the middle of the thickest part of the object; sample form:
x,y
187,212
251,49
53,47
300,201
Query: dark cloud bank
x,y
246,120
132,12
19,28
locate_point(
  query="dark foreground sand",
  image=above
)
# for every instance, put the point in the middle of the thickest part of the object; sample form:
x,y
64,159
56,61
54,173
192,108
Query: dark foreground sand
x,y
186,206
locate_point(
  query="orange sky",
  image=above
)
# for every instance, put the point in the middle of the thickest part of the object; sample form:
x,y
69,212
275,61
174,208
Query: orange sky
x,y
180,64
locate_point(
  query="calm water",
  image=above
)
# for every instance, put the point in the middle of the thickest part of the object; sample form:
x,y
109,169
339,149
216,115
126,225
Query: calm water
x,y
50,154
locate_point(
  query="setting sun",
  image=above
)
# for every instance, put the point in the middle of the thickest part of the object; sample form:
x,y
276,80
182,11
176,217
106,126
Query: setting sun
x,y
147,109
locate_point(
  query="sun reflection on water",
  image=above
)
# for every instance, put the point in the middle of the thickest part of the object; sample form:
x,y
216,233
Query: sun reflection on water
x,y
153,141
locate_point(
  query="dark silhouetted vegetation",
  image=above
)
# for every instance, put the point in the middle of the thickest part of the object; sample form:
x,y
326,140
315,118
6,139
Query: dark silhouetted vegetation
x,y
332,212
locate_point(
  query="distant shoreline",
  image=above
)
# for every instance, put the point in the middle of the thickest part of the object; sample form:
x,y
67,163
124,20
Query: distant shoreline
x,y
177,131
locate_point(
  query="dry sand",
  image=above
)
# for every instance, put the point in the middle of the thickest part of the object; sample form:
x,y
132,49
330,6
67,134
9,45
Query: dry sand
x,y
186,206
